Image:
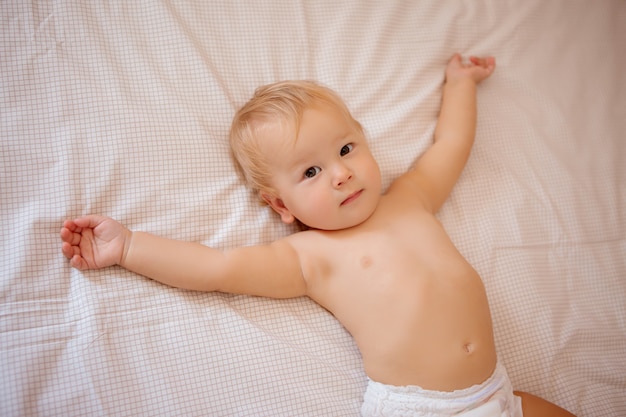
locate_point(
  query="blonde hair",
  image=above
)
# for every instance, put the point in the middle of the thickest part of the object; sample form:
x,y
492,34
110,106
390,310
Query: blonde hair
x,y
285,102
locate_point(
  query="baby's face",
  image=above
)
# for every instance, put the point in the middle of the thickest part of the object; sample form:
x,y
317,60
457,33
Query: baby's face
x,y
328,178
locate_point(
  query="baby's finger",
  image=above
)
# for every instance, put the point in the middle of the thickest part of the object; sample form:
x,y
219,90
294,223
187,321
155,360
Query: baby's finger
x,y
70,237
71,226
78,262
486,62
481,62
91,221
68,250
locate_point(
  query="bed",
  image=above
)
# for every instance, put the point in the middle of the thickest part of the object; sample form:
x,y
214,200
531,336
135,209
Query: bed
x,y
123,109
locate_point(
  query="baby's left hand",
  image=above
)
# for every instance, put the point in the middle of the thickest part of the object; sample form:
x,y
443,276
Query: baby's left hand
x,y
477,69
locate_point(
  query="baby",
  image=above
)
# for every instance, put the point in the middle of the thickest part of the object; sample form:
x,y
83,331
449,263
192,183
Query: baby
x,y
381,263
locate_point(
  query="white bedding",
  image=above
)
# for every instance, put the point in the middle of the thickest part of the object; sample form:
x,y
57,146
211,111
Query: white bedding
x,y
122,109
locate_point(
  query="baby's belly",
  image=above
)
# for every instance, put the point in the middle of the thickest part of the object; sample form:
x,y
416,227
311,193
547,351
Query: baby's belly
x,y
434,333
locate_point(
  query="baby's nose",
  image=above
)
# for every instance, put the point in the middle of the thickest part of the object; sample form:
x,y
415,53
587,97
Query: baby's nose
x,y
342,175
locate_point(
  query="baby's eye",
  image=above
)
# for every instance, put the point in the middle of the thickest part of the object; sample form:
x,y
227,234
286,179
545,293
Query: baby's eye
x,y
311,172
346,149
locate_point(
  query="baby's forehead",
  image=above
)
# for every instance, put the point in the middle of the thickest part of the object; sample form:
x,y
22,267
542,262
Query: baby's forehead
x,y
282,126
272,134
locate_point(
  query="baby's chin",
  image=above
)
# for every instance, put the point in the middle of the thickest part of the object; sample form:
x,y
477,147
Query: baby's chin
x,y
334,226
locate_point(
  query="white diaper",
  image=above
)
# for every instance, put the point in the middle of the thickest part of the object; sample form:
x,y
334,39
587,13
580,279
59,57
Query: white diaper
x,y
494,397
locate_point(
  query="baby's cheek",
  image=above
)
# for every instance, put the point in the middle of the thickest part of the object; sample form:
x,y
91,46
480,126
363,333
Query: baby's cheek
x,y
317,203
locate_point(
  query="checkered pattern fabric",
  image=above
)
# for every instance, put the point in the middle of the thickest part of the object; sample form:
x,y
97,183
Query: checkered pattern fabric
x,y
123,108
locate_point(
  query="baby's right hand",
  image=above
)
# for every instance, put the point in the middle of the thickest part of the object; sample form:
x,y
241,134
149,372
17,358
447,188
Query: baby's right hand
x,y
93,242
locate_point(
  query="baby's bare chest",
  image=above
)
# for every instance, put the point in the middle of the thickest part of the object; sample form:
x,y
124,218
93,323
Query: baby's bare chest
x,y
399,248
393,278
390,260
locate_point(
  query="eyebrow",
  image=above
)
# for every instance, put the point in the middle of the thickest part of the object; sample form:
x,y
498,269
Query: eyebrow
x,y
301,159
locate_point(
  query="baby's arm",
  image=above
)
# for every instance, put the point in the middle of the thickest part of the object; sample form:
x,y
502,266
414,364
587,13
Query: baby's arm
x,y
93,242
439,168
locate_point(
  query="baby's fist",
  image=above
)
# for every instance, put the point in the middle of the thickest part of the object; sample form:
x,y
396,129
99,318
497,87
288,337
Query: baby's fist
x,y
476,69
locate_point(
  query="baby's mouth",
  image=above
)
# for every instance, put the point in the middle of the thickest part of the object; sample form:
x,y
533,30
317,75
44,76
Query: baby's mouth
x,y
351,197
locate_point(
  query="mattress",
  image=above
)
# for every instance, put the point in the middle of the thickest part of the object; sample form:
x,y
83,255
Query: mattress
x,y
123,109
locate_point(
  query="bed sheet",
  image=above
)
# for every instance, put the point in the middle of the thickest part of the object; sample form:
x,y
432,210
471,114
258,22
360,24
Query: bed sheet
x,y
123,109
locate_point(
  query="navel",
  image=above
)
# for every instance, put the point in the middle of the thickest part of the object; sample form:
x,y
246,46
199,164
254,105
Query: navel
x,y
468,348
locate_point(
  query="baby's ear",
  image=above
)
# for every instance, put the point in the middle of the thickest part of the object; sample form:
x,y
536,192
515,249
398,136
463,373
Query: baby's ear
x,y
279,207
